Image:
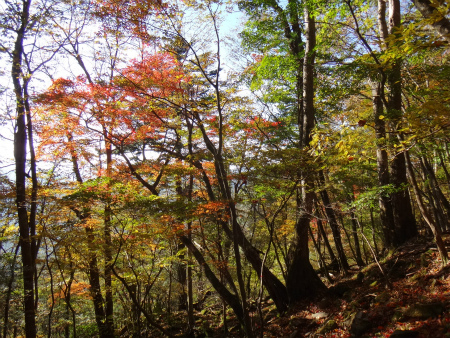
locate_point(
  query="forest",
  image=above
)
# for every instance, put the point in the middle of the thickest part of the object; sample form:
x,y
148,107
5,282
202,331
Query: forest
x,y
224,168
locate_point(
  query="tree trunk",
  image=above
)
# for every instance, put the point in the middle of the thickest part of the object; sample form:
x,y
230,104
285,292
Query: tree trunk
x,y
274,286
444,167
385,202
374,238
109,301
358,255
322,262
441,24
405,224
386,209
333,224
8,293
95,287
231,299
26,222
277,291
302,281
434,229
333,258
438,195
190,297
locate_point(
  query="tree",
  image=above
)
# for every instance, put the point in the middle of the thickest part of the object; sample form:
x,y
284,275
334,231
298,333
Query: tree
x,y
435,16
302,60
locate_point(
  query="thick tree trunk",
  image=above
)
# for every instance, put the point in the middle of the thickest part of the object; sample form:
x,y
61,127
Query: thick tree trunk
x,y
404,220
405,224
386,209
302,281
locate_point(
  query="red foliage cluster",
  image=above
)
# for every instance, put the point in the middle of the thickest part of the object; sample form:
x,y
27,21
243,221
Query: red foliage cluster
x,y
131,107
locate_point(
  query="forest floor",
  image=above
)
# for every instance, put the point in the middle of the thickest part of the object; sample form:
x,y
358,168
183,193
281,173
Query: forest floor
x,y
411,295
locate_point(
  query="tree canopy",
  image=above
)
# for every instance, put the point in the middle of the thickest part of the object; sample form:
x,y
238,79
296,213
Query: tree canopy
x,y
163,169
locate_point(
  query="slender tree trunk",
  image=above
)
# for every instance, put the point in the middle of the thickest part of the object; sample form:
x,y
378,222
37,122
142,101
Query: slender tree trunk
x,y
190,296
109,301
8,293
364,244
437,192
433,199
333,225
25,221
434,229
374,238
69,308
358,255
239,272
275,288
52,292
333,258
444,167
147,315
349,241
231,299
322,262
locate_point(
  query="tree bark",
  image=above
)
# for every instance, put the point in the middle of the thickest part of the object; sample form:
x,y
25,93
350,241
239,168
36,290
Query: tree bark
x,y
302,281
109,301
358,256
441,23
404,222
333,258
434,229
8,293
333,225
231,299
20,154
439,196
386,209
